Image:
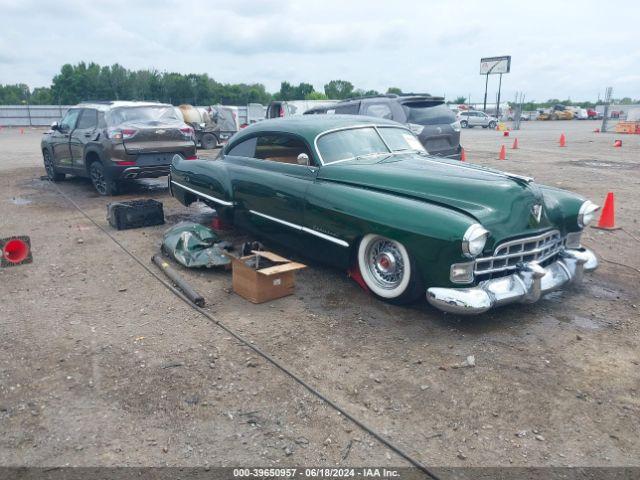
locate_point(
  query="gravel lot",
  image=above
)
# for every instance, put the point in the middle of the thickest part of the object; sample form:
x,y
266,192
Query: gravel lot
x,y
101,365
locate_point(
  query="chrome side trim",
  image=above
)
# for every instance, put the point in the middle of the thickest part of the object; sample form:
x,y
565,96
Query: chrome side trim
x,y
203,195
274,219
335,240
295,226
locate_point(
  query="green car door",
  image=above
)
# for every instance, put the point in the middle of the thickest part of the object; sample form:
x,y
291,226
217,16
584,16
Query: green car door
x,y
269,184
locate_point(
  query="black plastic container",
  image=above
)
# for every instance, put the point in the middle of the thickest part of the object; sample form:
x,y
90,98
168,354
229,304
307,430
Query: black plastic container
x,y
135,214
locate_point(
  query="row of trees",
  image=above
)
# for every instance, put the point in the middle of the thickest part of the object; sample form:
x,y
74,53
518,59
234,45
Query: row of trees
x,y
76,83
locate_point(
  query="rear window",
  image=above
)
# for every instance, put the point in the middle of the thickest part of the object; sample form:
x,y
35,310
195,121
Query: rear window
x,y
147,114
428,113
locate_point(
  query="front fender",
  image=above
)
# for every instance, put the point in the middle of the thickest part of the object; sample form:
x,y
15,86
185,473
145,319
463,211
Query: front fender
x,y
562,208
431,233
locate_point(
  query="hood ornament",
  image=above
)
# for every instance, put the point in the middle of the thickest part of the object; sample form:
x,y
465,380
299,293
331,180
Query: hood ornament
x,y
536,212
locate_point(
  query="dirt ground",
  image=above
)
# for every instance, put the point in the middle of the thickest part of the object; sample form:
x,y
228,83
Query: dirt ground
x,y
101,365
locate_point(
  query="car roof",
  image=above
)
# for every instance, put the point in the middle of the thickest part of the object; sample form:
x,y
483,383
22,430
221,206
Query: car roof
x,y
310,126
108,105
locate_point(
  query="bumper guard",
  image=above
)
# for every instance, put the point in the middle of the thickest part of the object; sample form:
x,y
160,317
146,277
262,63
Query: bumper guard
x,y
527,285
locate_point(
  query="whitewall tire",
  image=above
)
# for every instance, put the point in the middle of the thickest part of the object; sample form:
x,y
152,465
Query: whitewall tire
x,y
385,266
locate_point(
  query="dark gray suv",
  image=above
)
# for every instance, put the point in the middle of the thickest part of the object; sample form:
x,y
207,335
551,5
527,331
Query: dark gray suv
x,y
114,141
428,117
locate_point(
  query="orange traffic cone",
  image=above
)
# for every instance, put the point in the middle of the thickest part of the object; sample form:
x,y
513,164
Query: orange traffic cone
x,y
617,143
515,144
503,153
607,217
563,140
22,131
463,155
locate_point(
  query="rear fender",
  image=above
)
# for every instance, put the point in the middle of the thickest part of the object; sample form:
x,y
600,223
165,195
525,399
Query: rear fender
x,y
204,180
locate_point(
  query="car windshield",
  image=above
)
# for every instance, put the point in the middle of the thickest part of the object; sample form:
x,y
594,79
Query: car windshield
x,y
147,114
366,141
428,113
400,139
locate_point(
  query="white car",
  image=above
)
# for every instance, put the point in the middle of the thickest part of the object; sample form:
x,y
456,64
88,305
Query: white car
x,y
475,118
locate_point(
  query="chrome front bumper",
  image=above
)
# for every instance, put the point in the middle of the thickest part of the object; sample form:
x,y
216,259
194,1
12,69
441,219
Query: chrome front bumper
x,y
527,285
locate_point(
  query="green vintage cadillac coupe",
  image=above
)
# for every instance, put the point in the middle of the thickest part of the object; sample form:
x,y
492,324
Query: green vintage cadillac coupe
x,y
362,192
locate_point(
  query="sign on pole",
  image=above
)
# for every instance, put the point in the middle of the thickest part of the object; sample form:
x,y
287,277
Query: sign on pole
x,y
495,65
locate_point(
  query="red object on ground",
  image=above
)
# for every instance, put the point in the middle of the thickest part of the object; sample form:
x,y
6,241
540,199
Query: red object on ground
x,y
22,131
356,276
505,133
463,156
218,224
563,140
15,250
617,143
607,217
515,144
597,130
503,153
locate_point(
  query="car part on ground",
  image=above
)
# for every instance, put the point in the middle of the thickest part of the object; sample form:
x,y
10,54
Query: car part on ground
x,y
371,195
15,250
193,245
109,142
178,281
135,214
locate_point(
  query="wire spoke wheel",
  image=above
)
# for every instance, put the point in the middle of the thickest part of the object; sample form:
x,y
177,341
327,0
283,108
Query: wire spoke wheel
x,y
385,267
385,263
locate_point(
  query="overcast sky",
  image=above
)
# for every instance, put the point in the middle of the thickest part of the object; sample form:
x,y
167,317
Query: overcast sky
x,y
559,48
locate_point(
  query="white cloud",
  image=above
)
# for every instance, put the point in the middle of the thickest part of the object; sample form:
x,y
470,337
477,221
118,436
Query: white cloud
x,y
560,49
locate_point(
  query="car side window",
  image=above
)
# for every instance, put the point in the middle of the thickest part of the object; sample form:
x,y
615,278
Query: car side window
x,y
348,109
280,148
88,119
244,149
380,110
69,120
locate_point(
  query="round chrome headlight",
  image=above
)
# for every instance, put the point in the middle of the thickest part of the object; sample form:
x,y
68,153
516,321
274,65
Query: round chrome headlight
x,y
586,213
473,240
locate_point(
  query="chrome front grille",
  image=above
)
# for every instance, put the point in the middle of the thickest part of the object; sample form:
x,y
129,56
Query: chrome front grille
x,y
509,254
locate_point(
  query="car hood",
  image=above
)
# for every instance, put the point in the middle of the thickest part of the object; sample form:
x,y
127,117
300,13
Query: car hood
x,y
501,202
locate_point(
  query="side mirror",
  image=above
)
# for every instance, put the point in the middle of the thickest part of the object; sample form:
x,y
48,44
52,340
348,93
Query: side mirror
x,y
55,126
303,159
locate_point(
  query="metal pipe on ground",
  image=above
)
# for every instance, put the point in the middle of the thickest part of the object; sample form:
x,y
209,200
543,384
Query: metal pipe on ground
x,y
177,280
